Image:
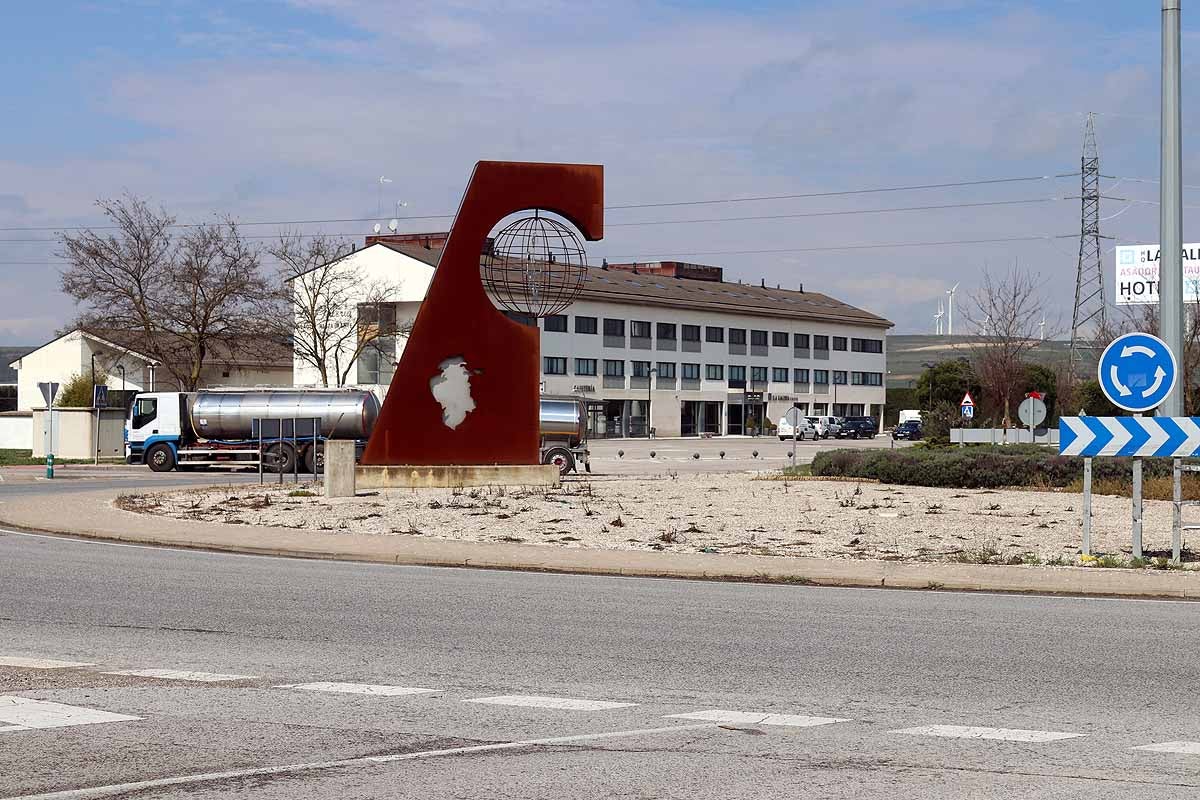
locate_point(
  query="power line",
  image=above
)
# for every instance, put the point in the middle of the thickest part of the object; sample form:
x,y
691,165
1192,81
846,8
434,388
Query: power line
x,y
833,213
843,192
821,249
799,215
756,198
830,248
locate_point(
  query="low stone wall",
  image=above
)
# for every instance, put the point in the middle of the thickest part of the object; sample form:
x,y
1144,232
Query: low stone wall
x,y
446,477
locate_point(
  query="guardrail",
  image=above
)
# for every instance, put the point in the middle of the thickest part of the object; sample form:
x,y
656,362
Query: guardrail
x,y
965,436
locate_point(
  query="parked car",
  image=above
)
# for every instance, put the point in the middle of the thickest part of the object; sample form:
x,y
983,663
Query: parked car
x,y
826,426
909,429
804,429
858,428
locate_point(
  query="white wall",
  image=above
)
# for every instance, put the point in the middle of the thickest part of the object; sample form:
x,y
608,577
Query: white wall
x,y
371,266
16,432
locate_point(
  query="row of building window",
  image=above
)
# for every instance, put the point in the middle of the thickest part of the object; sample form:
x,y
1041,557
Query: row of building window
x,y
669,331
615,368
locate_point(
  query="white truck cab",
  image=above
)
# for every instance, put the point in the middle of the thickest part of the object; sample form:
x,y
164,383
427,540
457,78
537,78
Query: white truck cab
x,y
154,429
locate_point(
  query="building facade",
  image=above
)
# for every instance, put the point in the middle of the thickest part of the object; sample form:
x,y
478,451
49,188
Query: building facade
x,y
707,357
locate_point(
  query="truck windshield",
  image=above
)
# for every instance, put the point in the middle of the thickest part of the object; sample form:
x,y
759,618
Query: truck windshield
x,y
145,409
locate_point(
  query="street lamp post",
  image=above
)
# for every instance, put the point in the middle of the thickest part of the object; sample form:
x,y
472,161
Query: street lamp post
x,y
929,387
649,385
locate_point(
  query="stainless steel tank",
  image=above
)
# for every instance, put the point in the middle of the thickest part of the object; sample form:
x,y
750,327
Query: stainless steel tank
x,y
563,418
344,413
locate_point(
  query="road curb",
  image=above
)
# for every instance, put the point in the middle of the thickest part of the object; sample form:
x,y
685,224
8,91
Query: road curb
x,y
93,515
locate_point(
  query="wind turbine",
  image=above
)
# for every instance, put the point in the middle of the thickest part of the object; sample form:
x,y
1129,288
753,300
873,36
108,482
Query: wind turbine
x,y
937,319
1042,329
379,208
950,318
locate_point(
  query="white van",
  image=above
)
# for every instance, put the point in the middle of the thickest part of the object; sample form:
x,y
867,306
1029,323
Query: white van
x,y
827,427
804,429
909,414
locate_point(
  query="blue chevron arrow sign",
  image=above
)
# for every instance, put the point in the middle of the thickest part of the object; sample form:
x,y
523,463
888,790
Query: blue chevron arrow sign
x,y
1164,437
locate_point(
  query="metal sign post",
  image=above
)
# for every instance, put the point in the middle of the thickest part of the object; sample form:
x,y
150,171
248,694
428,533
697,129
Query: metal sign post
x,y
1087,506
794,412
1137,372
49,391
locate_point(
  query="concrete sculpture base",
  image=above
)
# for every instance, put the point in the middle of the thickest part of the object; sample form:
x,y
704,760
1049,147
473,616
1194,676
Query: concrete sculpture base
x,y
434,477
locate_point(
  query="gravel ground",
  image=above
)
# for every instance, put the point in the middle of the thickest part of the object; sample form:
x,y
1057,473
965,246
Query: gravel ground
x,y
709,513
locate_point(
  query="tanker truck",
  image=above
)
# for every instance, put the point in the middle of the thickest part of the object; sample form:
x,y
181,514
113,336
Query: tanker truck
x,y
217,427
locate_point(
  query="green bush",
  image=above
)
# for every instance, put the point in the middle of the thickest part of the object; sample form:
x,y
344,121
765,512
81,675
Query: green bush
x,y
975,467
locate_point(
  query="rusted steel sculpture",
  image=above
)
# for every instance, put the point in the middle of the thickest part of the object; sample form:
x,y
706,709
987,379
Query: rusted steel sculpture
x,y
466,388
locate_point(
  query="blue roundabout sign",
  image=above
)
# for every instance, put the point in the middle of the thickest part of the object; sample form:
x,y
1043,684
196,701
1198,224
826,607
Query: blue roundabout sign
x,y
1137,371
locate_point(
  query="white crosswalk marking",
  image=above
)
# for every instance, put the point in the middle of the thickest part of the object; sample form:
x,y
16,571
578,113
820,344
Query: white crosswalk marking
x,y
181,675
750,718
562,703
1183,748
357,688
23,714
40,663
998,734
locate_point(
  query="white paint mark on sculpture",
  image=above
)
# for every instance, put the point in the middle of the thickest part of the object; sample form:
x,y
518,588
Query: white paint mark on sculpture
x,y
452,389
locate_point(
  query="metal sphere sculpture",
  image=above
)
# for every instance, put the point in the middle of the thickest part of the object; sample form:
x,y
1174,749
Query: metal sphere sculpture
x,y
536,266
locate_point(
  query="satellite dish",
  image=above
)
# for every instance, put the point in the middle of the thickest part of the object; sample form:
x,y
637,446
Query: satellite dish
x,y
393,225
377,227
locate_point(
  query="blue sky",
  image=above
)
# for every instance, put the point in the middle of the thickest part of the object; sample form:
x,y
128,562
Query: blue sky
x,y
292,110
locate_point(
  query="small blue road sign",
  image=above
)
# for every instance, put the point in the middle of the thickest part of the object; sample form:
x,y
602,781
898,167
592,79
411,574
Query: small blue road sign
x,y
968,412
1137,371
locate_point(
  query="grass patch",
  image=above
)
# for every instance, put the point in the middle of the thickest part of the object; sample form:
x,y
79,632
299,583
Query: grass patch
x,y
979,467
21,458
301,493
1158,487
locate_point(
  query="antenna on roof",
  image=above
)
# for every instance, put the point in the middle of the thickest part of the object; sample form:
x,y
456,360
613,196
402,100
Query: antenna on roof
x,y
393,225
378,227
764,282
604,264
802,288
635,272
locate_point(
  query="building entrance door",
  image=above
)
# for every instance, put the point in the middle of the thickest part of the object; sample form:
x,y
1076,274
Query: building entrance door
x,y
734,426
712,419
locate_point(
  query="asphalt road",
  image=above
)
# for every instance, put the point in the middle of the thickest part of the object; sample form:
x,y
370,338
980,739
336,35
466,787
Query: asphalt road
x,y
1115,675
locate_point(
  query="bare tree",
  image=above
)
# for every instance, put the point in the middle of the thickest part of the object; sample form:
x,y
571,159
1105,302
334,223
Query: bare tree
x,y
328,312
1006,314
176,296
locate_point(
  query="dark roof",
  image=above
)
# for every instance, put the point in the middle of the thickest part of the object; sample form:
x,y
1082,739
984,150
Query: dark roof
x,y
425,255
7,356
618,286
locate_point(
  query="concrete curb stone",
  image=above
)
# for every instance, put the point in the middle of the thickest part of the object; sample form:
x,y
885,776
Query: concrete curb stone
x,y
93,515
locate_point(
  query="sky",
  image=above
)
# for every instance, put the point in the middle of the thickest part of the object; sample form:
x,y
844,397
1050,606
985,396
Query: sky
x,y
277,110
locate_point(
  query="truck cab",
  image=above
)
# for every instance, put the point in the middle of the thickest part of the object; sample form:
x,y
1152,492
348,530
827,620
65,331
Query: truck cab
x,y
154,429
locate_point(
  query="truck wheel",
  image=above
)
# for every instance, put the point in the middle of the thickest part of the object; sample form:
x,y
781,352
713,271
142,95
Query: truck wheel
x,y
279,457
314,459
160,458
560,457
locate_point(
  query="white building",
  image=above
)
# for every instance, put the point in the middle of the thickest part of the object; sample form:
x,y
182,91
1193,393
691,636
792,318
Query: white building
x,y
72,354
403,270
710,356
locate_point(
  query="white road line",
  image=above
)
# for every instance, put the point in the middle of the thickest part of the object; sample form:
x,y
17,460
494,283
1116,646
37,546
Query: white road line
x,y
357,688
40,663
206,777
21,713
1184,748
561,703
181,675
749,718
998,734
